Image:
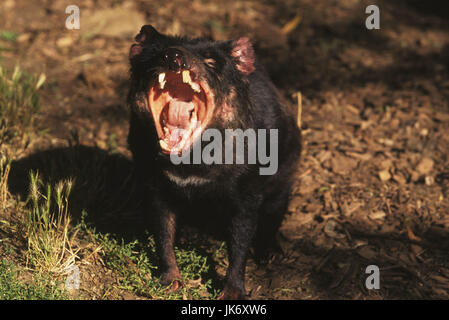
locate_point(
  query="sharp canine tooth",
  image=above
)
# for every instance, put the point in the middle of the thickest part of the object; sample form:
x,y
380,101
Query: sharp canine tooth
x,y
161,79
186,76
187,79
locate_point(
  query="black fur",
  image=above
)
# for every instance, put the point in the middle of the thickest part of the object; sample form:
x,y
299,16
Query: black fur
x,y
252,204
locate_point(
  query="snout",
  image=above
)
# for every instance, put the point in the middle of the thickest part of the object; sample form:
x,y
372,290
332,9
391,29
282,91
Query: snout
x,y
176,60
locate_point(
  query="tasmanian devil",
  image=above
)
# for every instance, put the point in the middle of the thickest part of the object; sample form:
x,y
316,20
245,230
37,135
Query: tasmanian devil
x,y
183,90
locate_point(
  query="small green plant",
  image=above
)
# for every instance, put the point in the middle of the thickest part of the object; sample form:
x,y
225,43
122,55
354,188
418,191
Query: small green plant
x,y
112,143
8,35
19,103
12,288
136,264
50,242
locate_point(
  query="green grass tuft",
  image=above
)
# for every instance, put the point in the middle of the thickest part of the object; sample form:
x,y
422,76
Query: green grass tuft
x,y
47,221
19,103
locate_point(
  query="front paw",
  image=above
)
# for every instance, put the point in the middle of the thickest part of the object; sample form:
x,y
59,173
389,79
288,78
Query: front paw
x,y
172,279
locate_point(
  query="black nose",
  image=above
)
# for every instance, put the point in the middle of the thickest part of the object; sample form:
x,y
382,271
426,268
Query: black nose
x,y
175,59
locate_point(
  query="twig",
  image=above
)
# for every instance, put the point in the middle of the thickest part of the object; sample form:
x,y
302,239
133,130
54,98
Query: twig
x,y
298,118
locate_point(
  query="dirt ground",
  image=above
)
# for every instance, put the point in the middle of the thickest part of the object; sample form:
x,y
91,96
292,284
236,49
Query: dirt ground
x,y
372,184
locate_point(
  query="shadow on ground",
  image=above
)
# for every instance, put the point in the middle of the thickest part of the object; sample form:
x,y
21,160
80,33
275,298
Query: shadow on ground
x,y
103,185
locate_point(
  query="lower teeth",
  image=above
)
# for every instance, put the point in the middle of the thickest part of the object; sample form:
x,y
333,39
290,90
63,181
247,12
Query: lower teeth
x,y
163,144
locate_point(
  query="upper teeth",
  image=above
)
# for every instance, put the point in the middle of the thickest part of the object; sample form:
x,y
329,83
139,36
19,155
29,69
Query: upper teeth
x,y
186,76
162,80
187,79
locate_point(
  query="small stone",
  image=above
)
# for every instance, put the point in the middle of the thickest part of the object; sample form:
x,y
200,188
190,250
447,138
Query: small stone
x,y
425,166
384,175
377,215
64,42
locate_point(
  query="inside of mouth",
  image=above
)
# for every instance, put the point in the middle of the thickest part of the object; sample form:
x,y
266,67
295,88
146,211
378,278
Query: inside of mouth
x,y
179,107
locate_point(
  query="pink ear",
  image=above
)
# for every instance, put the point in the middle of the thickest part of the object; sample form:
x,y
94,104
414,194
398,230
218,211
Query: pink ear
x,y
135,50
244,54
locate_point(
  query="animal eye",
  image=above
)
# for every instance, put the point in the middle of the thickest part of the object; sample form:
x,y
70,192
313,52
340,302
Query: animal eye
x,y
210,62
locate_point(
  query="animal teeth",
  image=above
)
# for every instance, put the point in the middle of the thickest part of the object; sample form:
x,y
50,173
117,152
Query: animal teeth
x,y
187,79
186,76
162,80
195,87
163,144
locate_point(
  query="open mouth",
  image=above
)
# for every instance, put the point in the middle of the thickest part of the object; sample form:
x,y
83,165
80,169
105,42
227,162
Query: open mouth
x,y
181,109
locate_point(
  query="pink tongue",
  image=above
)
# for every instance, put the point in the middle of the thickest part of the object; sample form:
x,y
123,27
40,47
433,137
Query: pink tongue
x,y
179,113
178,120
